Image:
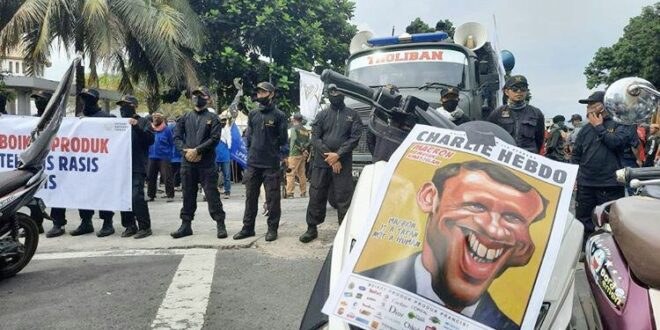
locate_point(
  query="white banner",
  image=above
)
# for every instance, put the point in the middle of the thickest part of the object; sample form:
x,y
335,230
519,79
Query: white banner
x,y
460,236
311,88
89,165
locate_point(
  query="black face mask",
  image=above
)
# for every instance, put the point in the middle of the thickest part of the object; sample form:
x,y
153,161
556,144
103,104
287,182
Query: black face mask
x,y
450,105
336,100
265,101
199,102
41,104
126,111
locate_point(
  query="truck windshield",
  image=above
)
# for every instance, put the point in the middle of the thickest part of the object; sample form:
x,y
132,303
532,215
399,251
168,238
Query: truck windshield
x,y
410,68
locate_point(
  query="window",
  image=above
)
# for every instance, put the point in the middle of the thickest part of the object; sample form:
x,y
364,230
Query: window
x,y
11,66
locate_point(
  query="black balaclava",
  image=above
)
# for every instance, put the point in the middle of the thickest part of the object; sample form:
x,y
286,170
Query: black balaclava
x,y
126,111
337,101
41,103
91,106
199,102
450,105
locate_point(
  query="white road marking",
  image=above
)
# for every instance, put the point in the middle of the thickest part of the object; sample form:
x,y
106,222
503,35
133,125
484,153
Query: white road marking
x,y
187,297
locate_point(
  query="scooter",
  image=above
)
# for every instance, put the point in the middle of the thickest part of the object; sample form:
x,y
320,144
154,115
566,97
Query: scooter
x,y
395,115
622,264
19,235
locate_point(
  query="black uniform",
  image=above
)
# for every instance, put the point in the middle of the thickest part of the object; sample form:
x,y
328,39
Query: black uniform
x,y
266,134
141,139
526,125
86,215
199,130
598,151
338,130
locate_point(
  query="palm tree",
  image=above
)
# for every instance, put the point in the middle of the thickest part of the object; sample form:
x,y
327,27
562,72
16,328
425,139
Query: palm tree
x,y
144,40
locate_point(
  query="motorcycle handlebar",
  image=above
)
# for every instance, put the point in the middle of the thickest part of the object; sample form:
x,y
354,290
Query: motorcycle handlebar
x,y
627,174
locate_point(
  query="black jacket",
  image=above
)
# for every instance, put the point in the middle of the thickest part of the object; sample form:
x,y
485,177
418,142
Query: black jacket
x,y
526,126
98,113
598,151
199,130
141,138
336,130
267,133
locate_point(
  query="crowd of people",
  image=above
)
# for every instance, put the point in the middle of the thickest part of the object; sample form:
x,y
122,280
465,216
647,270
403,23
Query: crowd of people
x,y
192,150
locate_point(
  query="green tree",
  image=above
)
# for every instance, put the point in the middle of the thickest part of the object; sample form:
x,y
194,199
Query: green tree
x,y
447,26
418,26
309,35
144,40
636,53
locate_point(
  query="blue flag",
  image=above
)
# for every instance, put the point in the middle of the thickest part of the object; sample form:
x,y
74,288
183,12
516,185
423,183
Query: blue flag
x,y
238,151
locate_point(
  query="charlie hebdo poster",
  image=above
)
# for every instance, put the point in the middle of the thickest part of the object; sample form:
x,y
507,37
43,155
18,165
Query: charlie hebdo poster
x,y
460,236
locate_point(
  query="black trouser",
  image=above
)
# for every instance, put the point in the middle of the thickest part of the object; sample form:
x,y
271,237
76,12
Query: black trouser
x,y
139,205
176,173
342,188
58,215
162,166
35,212
86,215
588,198
207,176
254,178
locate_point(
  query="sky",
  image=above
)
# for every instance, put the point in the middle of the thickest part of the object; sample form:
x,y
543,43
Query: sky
x,y
553,41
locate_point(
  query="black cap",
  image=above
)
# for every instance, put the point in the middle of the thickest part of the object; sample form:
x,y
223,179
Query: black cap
x,y
449,91
297,116
42,95
558,119
128,99
576,117
517,80
203,90
268,87
91,92
598,96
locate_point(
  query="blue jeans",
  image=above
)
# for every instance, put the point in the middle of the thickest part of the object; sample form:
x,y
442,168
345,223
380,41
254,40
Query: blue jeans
x,y
225,168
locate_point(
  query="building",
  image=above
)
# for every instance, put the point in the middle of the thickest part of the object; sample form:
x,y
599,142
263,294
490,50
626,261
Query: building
x,y
16,79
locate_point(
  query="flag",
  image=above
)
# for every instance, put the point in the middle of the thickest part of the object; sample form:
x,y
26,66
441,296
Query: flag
x,y
238,152
311,88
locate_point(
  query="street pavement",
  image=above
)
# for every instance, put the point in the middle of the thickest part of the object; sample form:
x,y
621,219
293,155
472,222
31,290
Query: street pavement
x,y
197,282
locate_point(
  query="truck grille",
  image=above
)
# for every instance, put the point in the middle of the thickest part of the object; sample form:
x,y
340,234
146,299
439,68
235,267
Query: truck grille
x,y
365,114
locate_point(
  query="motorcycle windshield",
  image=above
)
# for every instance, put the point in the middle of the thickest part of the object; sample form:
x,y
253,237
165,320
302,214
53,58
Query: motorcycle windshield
x,y
41,137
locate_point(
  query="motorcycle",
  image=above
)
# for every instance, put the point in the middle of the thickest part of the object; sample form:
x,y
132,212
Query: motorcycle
x,y
393,117
19,235
621,264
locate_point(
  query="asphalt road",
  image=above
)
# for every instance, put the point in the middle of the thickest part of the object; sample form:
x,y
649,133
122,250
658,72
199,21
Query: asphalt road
x,y
250,290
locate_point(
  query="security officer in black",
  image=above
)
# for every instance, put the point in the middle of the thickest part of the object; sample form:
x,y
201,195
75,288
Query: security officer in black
x,y
266,134
196,135
141,138
524,122
90,98
41,99
335,133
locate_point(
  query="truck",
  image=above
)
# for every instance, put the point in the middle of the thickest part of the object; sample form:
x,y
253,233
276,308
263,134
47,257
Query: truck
x,y
422,65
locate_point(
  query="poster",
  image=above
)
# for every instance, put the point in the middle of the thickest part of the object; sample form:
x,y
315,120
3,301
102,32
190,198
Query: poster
x,y
89,164
460,236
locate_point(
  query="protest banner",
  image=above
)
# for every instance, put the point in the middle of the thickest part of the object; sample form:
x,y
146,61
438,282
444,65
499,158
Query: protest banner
x,y
238,151
89,164
459,236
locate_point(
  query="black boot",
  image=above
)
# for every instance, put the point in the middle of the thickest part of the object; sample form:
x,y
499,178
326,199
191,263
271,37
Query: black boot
x,y
183,231
130,231
142,233
310,235
244,233
84,228
222,231
106,230
55,231
271,235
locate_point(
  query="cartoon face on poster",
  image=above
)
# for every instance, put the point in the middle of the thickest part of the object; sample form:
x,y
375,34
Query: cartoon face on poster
x,y
459,236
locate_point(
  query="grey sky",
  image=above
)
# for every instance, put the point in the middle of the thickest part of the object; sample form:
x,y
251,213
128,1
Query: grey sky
x,y
552,40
